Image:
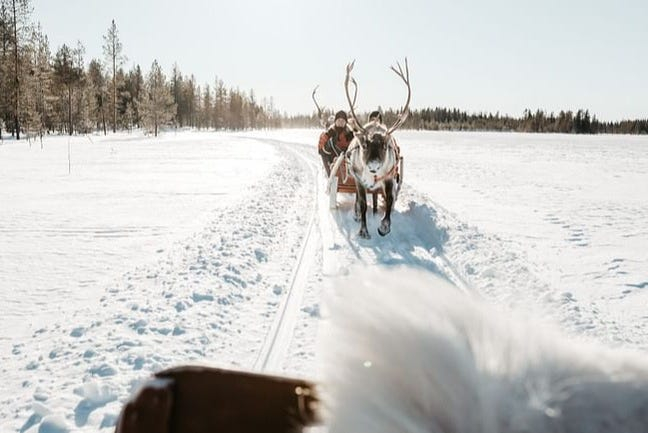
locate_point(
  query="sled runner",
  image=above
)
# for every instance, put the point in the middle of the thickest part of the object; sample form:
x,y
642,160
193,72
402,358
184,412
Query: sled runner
x,y
209,400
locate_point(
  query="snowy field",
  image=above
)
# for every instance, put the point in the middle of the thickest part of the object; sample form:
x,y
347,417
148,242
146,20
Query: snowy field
x,y
151,253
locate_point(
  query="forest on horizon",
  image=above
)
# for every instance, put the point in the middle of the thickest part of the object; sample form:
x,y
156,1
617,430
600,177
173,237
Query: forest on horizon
x,y
44,92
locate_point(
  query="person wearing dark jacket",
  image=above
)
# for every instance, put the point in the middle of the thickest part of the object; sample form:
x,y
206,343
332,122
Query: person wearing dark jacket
x,y
335,140
375,116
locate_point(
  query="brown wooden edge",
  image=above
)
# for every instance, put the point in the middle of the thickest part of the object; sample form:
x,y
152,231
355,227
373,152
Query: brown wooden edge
x,y
194,399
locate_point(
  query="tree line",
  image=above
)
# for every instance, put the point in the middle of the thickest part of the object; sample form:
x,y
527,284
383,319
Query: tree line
x,y
453,119
579,122
41,92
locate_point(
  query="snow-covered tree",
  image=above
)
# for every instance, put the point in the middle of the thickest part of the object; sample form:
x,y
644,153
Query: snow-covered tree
x,y
158,108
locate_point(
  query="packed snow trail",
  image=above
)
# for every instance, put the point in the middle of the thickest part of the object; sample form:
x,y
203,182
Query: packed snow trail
x,y
272,355
210,299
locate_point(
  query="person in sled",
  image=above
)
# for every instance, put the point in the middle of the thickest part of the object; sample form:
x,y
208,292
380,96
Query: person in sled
x,y
335,140
375,116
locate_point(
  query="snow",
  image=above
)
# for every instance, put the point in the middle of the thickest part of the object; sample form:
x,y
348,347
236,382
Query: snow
x,y
153,253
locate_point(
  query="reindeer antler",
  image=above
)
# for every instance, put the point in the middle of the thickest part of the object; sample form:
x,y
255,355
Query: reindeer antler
x,y
319,110
348,78
355,90
405,111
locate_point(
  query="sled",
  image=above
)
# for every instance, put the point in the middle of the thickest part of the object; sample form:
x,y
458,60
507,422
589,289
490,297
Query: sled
x,y
341,181
193,399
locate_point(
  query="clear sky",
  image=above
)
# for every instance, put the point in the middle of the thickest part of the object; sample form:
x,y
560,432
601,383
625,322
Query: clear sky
x,y
498,55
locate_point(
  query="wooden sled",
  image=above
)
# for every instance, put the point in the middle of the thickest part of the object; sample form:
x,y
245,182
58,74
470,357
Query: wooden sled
x,y
210,400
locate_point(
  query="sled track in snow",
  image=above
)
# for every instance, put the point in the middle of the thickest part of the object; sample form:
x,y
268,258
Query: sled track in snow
x,y
416,240
339,229
278,339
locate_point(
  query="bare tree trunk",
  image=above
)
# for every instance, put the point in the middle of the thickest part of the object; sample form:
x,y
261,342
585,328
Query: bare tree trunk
x,y
103,115
16,82
114,59
70,108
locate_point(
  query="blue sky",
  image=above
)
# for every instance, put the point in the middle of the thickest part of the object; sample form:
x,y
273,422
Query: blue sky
x,y
478,56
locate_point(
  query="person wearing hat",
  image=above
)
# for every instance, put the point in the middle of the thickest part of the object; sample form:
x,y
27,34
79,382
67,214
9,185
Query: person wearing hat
x,y
375,116
335,140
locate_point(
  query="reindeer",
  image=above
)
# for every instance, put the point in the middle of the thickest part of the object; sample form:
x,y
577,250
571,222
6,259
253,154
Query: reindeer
x,y
373,157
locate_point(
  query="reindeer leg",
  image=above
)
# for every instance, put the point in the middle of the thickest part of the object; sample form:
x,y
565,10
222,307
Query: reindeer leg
x,y
361,197
356,207
374,199
385,223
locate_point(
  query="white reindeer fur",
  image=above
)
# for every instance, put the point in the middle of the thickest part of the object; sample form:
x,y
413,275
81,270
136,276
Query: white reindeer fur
x,y
405,351
357,164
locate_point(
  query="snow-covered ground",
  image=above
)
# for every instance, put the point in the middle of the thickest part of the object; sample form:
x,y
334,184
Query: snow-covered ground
x,y
152,253
565,219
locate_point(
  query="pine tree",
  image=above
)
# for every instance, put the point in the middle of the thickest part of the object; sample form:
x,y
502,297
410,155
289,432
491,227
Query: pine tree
x,y
129,116
19,13
220,98
197,104
236,109
98,94
123,98
176,90
5,37
114,57
189,99
253,111
68,76
158,107
44,79
36,84
81,111
135,88
206,109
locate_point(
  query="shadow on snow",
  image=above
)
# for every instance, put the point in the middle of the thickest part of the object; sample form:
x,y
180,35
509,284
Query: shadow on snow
x,y
415,239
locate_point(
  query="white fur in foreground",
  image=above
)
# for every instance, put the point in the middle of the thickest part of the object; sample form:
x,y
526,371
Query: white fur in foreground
x,y
405,351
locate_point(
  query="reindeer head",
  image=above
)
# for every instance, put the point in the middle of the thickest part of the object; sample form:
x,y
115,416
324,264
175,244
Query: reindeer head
x,y
374,137
374,140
